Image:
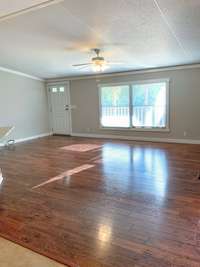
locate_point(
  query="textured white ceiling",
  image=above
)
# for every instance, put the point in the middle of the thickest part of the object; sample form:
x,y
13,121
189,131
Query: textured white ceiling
x,y
140,33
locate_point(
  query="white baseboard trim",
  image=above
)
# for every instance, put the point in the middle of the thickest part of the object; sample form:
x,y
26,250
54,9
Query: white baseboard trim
x,y
29,138
136,138
119,137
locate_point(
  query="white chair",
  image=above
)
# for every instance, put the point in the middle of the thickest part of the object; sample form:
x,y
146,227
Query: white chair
x,y
4,133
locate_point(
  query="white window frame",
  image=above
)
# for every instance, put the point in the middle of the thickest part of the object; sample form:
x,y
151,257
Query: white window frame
x,y
132,128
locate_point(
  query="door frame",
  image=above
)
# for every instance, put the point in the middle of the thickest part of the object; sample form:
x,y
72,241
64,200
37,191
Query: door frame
x,y
66,84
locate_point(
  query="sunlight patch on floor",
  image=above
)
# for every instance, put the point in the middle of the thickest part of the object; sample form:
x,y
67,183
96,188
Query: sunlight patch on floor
x,y
65,174
80,147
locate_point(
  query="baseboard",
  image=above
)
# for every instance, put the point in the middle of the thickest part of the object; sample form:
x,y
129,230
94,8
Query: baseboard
x,y
29,138
137,138
119,137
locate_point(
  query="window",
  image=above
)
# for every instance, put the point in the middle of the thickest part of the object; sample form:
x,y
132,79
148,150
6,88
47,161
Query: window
x,y
62,89
54,90
58,89
140,105
149,105
115,107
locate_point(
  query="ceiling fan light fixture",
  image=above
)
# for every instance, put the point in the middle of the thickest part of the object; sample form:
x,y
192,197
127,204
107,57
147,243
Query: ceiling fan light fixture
x,y
99,67
98,63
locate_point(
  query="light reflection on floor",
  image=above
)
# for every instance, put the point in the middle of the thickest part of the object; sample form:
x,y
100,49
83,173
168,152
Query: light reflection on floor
x,y
1,177
65,175
104,236
105,232
136,168
145,165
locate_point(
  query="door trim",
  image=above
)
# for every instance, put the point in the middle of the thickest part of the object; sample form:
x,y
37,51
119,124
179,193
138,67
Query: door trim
x,y
66,84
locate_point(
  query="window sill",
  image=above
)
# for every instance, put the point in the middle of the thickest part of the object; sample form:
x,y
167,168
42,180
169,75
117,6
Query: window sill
x,y
135,129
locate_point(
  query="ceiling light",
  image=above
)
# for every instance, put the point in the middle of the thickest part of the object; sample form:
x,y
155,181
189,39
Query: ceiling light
x,y
99,65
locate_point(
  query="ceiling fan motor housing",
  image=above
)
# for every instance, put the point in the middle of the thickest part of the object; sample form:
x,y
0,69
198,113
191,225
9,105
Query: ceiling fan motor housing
x,y
97,60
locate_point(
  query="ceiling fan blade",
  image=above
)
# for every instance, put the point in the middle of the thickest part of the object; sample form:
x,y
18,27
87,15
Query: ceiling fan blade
x,y
84,64
83,67
115,63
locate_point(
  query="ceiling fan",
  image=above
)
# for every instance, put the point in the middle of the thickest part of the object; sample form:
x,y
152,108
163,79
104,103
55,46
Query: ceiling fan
x,y
98,63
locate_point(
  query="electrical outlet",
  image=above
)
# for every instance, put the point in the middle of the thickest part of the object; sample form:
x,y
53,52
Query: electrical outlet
x,y
185,133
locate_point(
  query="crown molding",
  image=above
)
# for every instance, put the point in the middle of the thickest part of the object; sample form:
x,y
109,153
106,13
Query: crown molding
x,y
21,74
29,9
114,74
124,73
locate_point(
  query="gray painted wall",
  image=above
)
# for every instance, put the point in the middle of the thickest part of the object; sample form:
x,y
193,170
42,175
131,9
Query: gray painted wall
x,y
23,103
184,104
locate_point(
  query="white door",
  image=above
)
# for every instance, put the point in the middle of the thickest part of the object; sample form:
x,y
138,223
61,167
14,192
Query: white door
x,y
60,109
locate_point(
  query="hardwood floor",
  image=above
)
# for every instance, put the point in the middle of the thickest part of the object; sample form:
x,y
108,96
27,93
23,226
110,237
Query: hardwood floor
x,y
101,203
